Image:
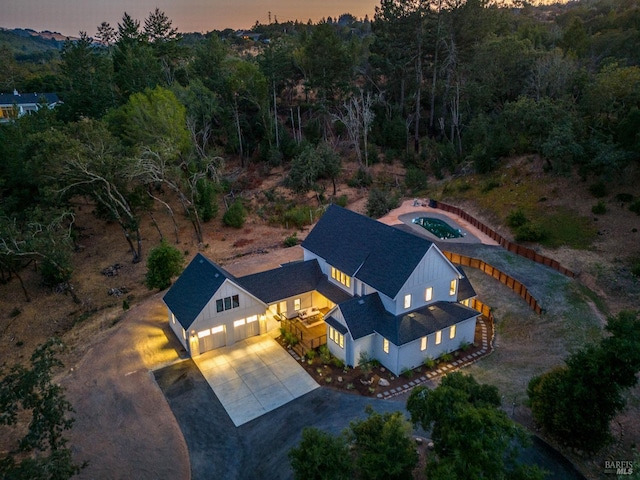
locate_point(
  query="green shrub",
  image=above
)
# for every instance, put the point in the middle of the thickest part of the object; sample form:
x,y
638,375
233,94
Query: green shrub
x,y
380,202
342,201
624,197
635,267
235,215
599,208
445,358
415,179
125,305
464,346
489,185
164,262
362,178
517,218
310,355
298,216
337,362
407,373
325,354
635,207
429,363
530,232
291,241
598,190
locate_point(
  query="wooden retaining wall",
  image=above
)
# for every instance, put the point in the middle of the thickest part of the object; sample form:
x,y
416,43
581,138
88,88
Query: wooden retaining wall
x,y
506,244
499,275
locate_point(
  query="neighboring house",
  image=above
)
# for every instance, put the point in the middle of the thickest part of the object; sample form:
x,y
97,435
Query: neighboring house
x,y
382,291
14,105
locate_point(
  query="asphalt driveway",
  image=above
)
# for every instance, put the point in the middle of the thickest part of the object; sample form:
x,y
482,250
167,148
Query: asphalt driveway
x,y
258,449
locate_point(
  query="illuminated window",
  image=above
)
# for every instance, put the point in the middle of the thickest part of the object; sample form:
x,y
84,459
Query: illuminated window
x,y
204,333
452,287
217,329
407,300
385,345
428,294
336,336
296,304
438,337
253,318
452,332
239,323
341,277
184,334
173,319
423,343
227,303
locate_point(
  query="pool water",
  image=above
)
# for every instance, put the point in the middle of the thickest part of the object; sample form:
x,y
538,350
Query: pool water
x,y
438,228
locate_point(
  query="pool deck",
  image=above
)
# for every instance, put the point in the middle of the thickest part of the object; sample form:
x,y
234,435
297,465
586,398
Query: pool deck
x,y
406,212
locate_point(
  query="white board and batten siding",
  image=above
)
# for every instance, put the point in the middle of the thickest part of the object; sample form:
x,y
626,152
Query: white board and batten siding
x,y
434,271
213,329
180,332
411,355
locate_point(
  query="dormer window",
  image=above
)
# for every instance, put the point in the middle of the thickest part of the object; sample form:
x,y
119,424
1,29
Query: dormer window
x,y
341,277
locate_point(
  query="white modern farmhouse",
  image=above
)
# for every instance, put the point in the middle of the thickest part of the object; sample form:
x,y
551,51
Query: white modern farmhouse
x,y
374,288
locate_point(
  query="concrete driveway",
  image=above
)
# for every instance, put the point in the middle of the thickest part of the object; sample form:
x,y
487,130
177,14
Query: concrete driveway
x,y
253,377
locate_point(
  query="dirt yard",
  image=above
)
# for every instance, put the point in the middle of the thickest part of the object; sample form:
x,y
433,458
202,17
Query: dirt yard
x,y
123,423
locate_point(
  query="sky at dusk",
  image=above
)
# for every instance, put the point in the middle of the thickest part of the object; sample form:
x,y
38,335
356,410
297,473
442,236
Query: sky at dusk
x,y
70,16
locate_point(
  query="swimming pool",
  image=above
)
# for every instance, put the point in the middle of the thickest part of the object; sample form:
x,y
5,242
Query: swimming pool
x,y
438,228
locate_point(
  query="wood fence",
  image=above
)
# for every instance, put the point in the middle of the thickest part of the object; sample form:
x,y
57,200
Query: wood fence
x,y
506,244
483,308
499,275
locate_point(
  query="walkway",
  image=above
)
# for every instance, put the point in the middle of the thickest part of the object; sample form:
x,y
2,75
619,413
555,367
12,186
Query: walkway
x,y
253,377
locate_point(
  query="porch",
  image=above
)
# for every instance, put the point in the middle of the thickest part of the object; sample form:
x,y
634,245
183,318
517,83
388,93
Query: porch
x,y
309,328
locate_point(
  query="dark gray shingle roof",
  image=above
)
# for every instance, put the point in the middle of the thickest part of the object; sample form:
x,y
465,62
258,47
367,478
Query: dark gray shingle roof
x,y
336,324
27,98
379,255
194,288
283,282
366,315
465,289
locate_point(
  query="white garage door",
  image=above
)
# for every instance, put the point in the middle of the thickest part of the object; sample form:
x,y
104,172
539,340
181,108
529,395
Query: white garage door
x,y
212,338
246,327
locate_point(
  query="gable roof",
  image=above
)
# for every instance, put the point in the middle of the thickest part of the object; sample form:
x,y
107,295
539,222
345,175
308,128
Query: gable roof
x,y
194,288
378,254
465,289
27,98
290,280
367,315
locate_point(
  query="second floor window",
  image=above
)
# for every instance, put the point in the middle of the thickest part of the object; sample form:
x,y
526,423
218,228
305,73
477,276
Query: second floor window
x,y
341,277
428,294
227,303
407,301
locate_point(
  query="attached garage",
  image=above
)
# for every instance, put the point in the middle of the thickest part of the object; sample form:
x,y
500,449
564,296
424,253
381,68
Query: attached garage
x,y
212,307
